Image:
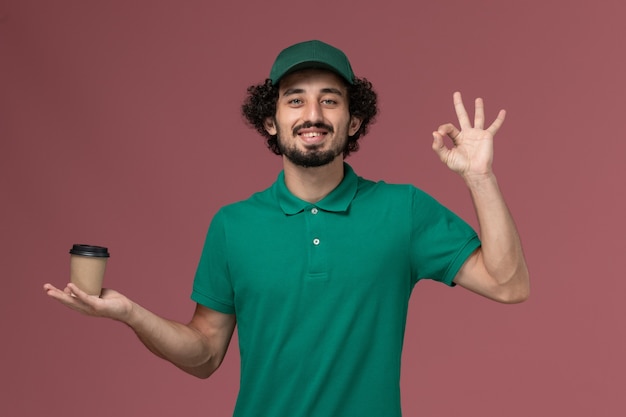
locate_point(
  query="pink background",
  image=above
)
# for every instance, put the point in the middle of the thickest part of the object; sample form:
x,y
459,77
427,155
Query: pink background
x,y
120,126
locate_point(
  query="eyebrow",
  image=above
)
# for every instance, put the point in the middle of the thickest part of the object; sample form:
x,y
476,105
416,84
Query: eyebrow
x,y
326,90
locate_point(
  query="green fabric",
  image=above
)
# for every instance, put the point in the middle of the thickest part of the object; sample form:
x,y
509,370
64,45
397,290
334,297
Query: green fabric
x,y
321,326
311,54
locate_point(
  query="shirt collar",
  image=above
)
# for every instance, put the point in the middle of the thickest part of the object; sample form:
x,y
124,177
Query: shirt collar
x,y
337,200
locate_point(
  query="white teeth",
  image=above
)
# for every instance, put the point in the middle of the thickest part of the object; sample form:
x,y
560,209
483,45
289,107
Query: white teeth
x,y
311,134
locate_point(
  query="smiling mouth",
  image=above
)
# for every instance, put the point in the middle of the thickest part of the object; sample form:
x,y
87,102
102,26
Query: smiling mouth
x,y
312,134
312,138
312,128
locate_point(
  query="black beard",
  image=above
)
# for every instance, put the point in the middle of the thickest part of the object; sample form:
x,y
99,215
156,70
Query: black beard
x,y
311,157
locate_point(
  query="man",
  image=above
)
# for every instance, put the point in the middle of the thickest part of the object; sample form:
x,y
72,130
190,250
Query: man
x,y
317,270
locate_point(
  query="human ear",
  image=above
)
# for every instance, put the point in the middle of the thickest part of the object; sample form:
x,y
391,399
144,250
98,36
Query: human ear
x,y
355,125
270,126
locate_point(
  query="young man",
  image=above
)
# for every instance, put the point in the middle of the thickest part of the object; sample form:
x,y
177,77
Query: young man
x,y
317,270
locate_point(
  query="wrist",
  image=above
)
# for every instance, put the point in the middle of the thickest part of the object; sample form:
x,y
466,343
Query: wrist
x,y
474,180
130,315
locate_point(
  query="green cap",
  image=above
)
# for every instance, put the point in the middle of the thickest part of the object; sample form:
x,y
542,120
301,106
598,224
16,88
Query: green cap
x,y
311,54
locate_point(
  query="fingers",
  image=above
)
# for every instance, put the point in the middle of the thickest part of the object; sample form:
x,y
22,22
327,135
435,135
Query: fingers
x,y
479,114
439,146
77,292
71,296
54,292
495,126
450,131
461,113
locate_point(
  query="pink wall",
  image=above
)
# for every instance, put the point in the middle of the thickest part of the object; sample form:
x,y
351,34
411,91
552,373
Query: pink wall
x,y
120,126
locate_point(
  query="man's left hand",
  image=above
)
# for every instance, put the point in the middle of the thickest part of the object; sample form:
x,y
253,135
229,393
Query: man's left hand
x,y
472,153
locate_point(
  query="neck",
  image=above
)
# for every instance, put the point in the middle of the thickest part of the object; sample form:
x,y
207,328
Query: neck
x,y
313,184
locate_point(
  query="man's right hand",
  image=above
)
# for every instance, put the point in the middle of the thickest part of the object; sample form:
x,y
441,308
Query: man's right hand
x,y
110,304
197,348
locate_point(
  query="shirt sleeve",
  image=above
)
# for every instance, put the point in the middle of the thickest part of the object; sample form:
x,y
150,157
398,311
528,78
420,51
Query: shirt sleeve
x,y
441,241
212,286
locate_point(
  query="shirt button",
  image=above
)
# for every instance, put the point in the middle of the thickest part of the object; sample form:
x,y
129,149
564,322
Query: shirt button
x,y
314,210
316,241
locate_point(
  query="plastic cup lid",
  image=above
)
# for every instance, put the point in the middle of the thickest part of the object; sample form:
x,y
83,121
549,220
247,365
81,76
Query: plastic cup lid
x,y
90,250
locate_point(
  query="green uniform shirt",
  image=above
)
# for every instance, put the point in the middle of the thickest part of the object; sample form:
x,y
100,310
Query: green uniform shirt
x,y
321,291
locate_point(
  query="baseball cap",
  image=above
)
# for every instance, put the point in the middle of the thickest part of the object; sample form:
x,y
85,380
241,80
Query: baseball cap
x,y
311,54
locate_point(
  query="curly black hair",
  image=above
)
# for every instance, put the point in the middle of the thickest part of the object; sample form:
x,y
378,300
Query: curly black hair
x,y
260,104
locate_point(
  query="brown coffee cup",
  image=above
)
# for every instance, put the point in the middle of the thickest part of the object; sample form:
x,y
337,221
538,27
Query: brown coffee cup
x,y
87,265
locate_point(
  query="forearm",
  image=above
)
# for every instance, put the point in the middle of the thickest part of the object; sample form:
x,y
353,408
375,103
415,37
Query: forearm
x,y
182,345
197,348
501,246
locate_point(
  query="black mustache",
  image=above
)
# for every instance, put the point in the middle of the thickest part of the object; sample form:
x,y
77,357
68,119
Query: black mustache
x,y
307,125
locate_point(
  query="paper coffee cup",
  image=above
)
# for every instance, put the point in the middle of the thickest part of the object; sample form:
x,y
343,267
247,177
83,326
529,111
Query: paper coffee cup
x,y
87,265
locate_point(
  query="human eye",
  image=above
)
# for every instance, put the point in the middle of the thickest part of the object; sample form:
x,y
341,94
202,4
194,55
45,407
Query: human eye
x,y
295,101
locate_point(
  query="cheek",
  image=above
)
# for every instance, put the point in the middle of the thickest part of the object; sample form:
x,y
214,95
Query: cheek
x,y
285,119
282,128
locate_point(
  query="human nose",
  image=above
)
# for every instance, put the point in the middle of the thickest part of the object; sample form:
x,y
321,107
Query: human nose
x,y
313,112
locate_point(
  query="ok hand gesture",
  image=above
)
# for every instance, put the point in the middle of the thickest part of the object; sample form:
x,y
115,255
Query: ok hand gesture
x,y
472,153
